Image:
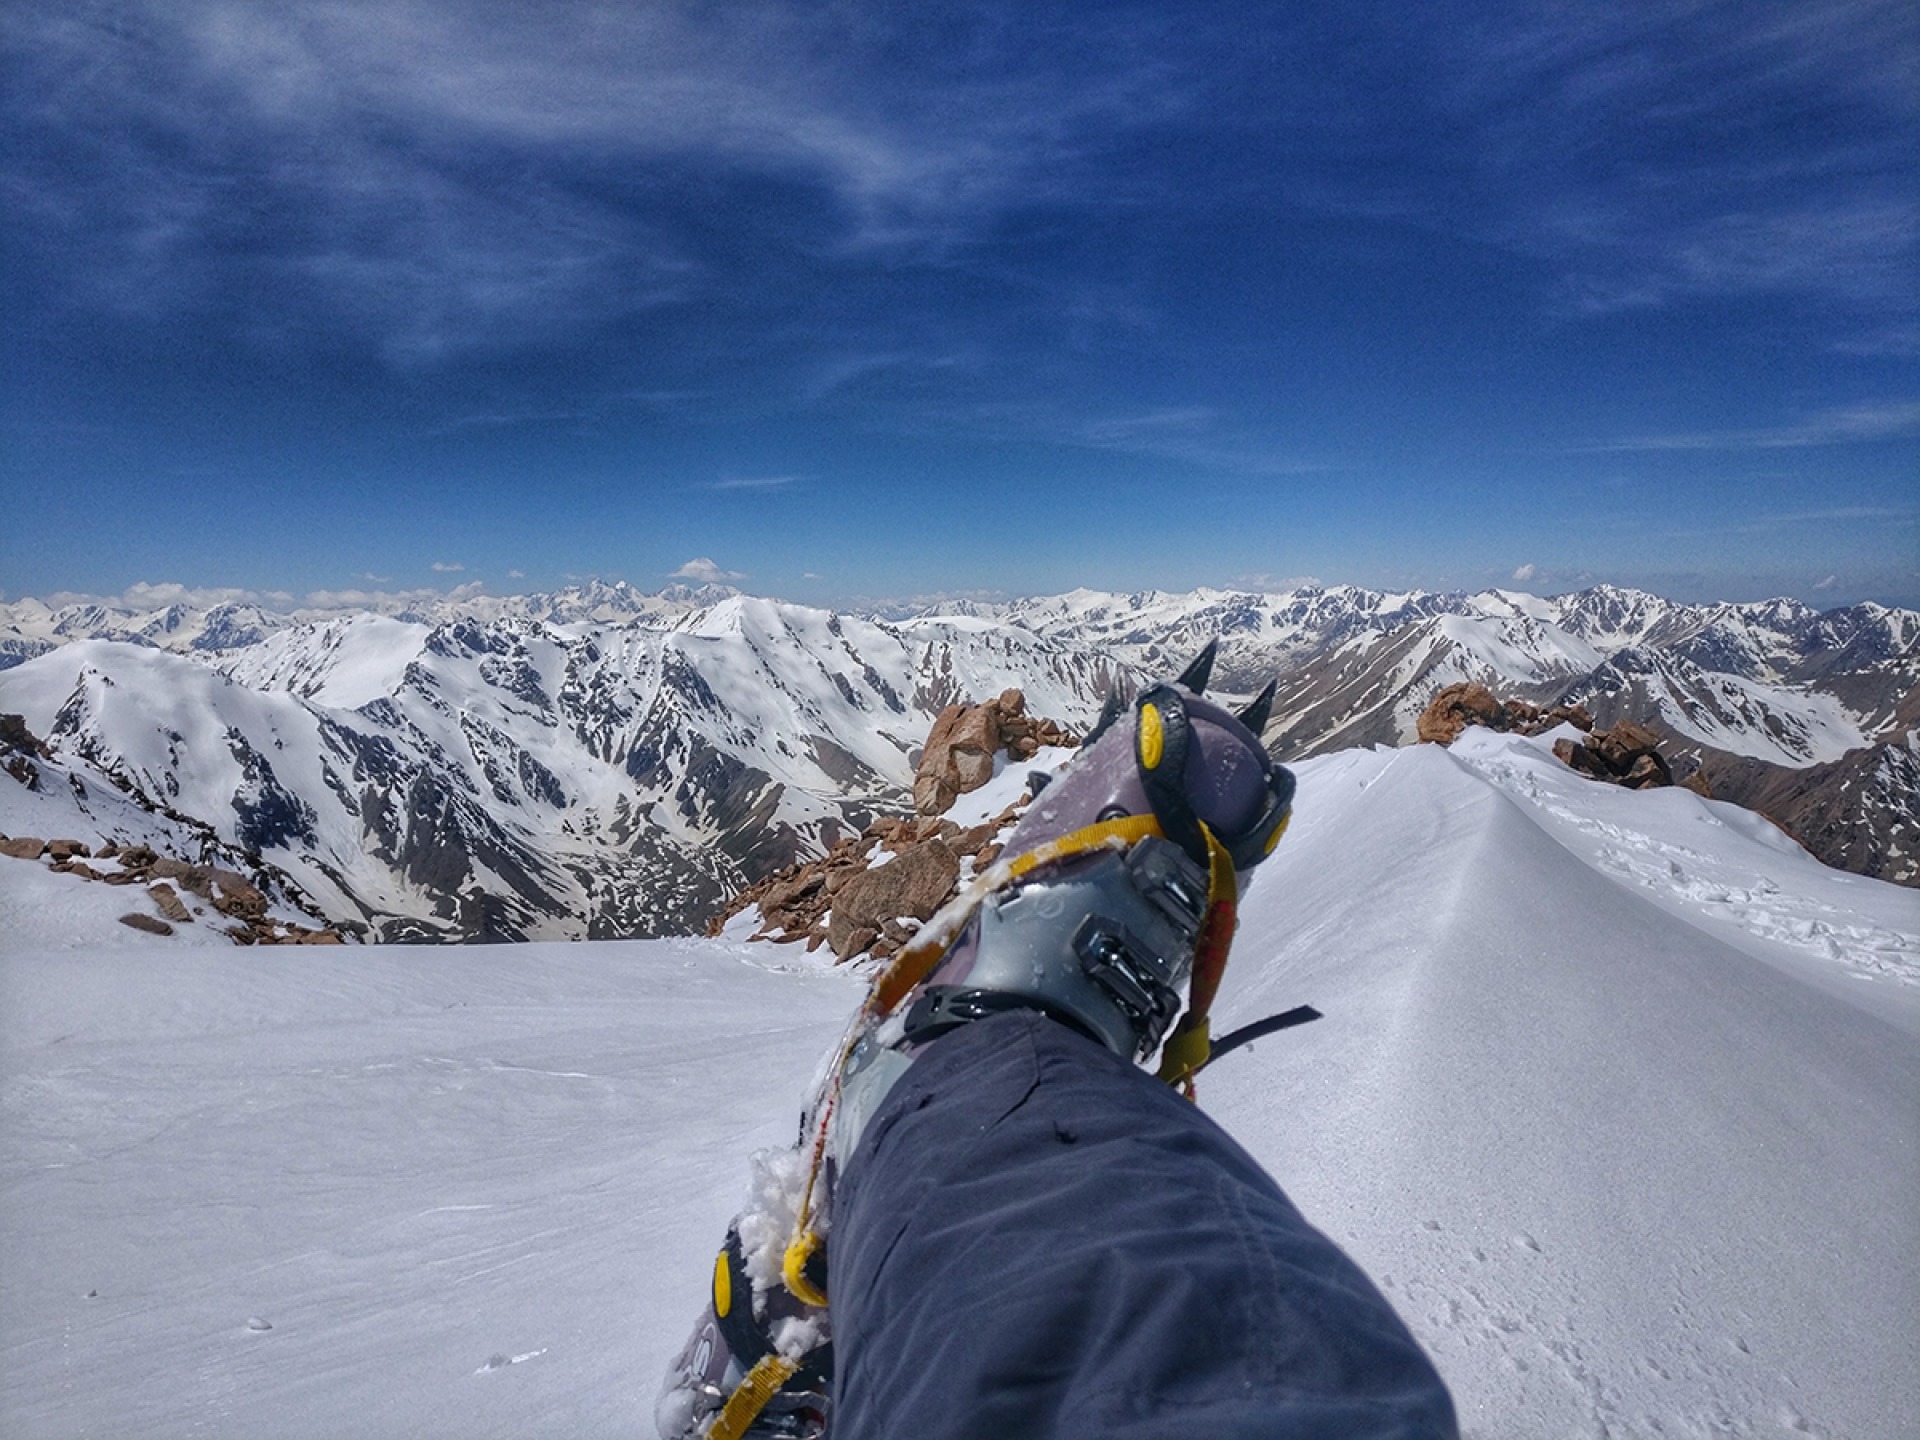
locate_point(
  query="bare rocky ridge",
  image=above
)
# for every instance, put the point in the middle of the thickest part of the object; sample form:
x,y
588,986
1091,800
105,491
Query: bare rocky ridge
x,y
221,889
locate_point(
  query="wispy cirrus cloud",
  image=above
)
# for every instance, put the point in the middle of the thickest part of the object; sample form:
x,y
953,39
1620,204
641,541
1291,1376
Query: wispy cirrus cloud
x,y
755,482
1851,424
450,175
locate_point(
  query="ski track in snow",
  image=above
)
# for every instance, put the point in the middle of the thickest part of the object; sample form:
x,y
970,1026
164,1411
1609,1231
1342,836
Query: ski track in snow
x,y
1586,1107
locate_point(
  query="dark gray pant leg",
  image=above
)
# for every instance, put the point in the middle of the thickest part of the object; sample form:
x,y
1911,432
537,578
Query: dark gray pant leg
x,y
1037,1239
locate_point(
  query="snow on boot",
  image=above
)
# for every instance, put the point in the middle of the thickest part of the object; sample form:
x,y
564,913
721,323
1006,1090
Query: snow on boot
x,y
757,1366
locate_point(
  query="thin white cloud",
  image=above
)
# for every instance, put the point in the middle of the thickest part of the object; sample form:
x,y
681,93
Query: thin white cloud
x,y
1826,584
1525,572
706,572
448,567
146,596
319,603
754,482
1266,583
1846,425
516,574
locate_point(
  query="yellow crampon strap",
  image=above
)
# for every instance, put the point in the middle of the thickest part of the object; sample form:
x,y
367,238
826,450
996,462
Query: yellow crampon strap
x,y
793,1269
1191,1043
763,1382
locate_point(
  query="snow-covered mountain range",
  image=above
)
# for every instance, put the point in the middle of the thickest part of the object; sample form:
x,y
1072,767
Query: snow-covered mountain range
x,y
602,763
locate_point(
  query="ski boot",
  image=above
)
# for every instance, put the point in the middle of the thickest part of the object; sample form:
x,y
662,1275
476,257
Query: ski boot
x,y
1114,893
1118,888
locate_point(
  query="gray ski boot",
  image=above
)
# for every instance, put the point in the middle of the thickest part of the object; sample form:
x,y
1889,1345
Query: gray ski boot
x,y
1117,889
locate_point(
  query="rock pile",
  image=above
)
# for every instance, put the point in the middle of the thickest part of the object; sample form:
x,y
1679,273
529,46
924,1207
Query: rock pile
x,y
960,750
227,892
1458,706
854,901
1626,754
852,904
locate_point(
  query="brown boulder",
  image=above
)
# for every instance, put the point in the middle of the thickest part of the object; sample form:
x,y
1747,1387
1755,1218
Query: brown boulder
x,y
958,756
914,884
1647,772
136,921
1575,715
1571,752
1623,743
68,849
1454,709
236,895
170,903
933,794
23,847
1624,754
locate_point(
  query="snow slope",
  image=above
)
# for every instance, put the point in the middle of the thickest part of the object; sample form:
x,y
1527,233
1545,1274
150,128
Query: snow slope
x,y
1615,1095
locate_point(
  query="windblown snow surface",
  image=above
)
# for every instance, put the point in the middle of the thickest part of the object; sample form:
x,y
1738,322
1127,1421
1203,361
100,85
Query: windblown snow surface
x,y
1616,1096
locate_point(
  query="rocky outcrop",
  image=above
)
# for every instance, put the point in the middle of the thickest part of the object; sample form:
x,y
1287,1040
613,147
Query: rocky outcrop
x,y
227,893
960,750
856,902
911,886
1456,707
1625,754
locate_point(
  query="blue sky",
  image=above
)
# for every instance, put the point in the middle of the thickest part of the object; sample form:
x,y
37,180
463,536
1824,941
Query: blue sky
x,y
860,300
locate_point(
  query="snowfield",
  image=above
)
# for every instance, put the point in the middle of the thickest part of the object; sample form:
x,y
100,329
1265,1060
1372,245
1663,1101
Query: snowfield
x,y
1615,1095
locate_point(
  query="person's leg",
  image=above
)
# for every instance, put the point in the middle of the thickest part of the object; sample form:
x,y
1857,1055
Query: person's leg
x,y
1035,1238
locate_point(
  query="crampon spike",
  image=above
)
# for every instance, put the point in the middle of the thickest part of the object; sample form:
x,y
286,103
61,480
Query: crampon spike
x,y
1196,675
1110,711
1256,715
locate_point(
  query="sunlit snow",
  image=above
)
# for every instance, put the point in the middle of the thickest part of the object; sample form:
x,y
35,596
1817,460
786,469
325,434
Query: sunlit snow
x,y
1614,1095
